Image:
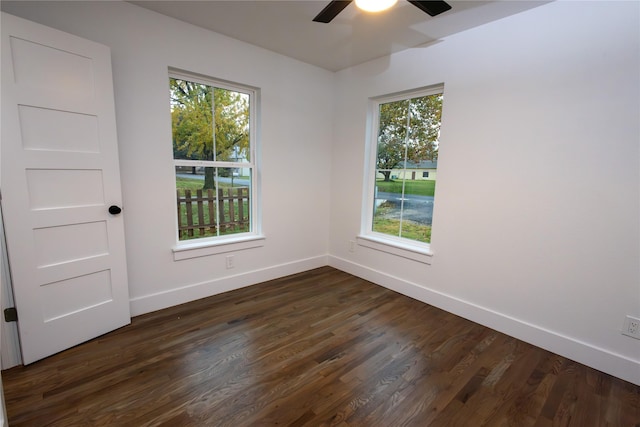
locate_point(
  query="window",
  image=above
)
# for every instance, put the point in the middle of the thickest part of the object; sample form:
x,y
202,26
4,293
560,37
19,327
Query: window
x,y
403,140
213,137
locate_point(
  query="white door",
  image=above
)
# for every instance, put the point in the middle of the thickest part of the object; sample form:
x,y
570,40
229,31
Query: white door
x,y
59,176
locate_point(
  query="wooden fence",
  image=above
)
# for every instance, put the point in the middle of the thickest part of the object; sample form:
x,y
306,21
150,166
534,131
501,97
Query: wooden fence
x,y
198,214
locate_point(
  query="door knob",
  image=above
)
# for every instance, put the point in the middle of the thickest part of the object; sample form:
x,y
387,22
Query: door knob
x,y
114,210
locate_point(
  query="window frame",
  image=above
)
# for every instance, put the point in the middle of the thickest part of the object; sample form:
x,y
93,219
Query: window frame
x,y
395,245
204,246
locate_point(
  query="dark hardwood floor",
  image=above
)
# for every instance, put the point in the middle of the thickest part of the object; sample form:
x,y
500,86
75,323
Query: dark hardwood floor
x,y
318,348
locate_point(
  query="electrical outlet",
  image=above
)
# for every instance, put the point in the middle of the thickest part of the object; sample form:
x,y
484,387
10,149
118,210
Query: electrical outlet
x,y
229,260
352,246
631,327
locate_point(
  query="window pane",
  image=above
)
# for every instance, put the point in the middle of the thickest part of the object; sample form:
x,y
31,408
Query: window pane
x,y
234,191
193,122
232,125
212,201
406,164
392,132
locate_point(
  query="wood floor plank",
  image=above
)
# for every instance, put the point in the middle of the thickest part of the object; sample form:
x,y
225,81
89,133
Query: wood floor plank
x,y
319,348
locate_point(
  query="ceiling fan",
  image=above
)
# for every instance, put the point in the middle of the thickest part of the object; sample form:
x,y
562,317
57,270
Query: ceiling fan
x,y
334,7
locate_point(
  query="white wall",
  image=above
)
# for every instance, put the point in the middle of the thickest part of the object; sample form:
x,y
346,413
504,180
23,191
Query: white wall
x,y
536,221
296,125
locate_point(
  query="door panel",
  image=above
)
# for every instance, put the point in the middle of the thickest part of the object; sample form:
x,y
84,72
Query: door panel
x,y
67,243
67,131
64,188
52,71
59,174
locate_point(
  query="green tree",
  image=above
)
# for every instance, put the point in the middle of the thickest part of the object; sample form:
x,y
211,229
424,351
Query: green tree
x,y
196,110
421,117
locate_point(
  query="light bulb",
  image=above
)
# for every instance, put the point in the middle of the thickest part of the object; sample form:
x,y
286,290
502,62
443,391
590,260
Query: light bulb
x,y
375,5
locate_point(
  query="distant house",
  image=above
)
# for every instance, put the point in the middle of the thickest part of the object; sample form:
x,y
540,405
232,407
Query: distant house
x,y
424,170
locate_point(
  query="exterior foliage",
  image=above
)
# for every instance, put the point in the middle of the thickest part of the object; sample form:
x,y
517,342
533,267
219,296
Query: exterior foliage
x,y
421,118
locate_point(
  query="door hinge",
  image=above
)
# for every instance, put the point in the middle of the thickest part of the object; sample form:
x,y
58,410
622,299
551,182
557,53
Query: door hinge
x,y
10,314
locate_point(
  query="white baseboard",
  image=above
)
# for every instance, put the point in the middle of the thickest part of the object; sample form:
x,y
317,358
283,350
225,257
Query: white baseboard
x,y
585,353
169,298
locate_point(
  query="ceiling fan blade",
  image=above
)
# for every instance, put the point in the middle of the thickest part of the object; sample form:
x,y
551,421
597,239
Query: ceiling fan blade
x,y
332,10
433,8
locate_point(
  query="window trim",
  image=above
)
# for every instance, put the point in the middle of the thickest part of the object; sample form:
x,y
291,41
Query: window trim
x,y
192,248
204,246
399,246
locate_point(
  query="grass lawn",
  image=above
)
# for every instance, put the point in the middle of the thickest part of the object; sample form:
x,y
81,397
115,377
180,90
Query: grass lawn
x,y
410,230
420,188
391,226
196,184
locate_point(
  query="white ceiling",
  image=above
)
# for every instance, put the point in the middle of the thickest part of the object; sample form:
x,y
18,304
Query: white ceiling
x,y
353,37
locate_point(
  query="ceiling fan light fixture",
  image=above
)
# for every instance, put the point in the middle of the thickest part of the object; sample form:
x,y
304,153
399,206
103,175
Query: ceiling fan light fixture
x,y
375,5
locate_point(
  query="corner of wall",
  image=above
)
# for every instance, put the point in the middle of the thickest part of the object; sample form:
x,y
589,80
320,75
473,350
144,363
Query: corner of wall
x,y
158,301
582,352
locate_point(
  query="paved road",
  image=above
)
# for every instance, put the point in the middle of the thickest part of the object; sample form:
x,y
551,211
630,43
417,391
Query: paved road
x,y
416,208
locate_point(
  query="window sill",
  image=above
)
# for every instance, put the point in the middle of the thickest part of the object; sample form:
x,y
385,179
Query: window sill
x,y
415,253
187,250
